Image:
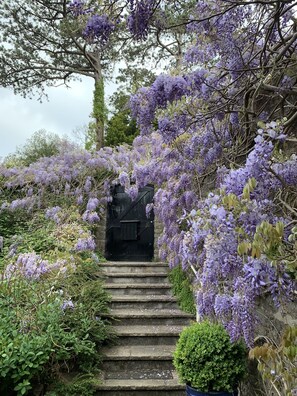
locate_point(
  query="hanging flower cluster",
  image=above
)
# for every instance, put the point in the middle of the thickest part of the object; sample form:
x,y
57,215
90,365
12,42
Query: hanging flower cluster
x,y
138,20
98,29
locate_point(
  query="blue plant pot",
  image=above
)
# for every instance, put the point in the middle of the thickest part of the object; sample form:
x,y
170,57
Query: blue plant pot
x,y
195,392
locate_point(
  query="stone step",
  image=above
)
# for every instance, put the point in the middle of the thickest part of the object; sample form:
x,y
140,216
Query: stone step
x,y
151,317
138,289
137,358
125,267
131,263
143,302
148,277
148,323
139,373
144,330
111,368
147,340
147,335
139,352
141,387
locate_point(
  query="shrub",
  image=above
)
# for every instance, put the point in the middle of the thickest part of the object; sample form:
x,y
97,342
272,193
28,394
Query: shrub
x,y
206,359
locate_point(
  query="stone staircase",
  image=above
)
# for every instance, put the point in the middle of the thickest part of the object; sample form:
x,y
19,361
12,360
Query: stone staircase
x,y
148,322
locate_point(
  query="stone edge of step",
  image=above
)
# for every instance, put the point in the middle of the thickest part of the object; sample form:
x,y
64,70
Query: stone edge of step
x,y
139,352
148,384
146,298
137,286
135,274
132,264
138,313
149,330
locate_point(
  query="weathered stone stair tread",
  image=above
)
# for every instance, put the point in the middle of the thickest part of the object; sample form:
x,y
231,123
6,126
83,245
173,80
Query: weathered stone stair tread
x,y
136,275
135,298
151,313
141,331
144,384
140,374
137,286
139,352
133,264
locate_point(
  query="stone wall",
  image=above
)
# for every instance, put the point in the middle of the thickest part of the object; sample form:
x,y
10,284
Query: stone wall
x,y
100,235
157,232
271,324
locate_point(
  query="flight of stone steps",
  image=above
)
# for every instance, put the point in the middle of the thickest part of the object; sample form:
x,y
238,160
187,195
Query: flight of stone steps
x,y
148,323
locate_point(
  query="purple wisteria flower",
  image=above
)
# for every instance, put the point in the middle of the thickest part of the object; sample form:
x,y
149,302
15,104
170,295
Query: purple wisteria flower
x,y
29,265
85,244
92,204
90,217
22,203
32,267
124,179
132,191
67,304
98,29
149,210
76,7
139,18
52,213
88,184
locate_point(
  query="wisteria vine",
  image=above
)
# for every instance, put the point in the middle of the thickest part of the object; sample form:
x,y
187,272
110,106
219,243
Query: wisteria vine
x,y
222,142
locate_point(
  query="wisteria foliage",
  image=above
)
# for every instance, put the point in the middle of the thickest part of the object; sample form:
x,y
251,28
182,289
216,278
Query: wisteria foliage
x,y
227,125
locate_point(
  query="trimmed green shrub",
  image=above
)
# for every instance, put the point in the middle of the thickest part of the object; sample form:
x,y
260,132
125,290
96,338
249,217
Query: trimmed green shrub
x,y
207,360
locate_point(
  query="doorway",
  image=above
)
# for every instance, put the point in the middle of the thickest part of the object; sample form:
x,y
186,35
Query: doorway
x,y
129,232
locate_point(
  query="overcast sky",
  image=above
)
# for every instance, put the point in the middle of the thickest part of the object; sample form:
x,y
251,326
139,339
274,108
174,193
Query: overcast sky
x,y
65,111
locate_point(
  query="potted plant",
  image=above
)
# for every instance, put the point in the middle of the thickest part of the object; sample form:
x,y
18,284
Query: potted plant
x,y
208,362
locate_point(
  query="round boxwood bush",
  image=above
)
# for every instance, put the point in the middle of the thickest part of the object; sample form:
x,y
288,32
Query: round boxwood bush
x,y
207,360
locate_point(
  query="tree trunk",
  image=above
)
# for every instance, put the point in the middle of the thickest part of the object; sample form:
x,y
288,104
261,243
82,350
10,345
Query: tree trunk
x,y
99,109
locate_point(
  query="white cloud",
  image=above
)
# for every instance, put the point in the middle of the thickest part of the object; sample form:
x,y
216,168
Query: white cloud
x,y
66,110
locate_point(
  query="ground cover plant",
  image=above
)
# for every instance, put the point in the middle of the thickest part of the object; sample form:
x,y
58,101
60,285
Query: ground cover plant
x,y
182,289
